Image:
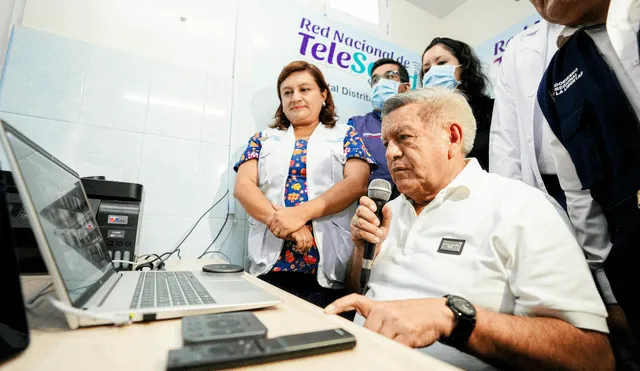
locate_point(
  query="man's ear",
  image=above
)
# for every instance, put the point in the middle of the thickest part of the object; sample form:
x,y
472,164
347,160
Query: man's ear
x,y
455,139
404,87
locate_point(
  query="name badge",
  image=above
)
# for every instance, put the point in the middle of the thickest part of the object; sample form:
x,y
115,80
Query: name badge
x,y
451,246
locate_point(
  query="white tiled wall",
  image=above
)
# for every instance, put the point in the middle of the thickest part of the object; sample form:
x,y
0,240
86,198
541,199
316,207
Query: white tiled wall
x,y
141,91
45,76
194,33
132,118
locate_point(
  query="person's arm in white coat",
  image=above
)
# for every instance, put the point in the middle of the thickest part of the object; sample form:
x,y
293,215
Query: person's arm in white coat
x,y
504,142
587,218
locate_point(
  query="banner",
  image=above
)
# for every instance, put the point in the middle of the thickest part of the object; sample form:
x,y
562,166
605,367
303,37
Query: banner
x,y
271,34
491,51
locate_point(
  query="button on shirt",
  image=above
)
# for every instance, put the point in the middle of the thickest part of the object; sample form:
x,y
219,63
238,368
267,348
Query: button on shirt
x,y
497,242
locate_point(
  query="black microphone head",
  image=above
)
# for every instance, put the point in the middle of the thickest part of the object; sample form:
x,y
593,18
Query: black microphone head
x,y
379,189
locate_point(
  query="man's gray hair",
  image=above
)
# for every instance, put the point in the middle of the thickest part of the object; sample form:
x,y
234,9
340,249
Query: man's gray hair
x,y
439,106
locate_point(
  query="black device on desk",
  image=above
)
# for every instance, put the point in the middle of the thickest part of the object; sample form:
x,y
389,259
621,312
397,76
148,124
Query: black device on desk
x,y
236,353
221,327
117,207
14,332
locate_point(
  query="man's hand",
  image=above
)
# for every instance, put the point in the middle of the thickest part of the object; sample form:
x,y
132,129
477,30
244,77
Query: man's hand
x,y
416,323
286,220
365,226
303,239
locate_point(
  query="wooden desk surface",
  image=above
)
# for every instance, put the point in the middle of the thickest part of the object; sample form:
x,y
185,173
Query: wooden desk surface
x,y
144,346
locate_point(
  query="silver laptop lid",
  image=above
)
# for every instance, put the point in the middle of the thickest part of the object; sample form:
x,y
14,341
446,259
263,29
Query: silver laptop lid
x,y
60,215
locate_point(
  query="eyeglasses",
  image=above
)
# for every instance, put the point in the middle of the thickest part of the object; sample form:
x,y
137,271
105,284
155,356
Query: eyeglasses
x,y
389,75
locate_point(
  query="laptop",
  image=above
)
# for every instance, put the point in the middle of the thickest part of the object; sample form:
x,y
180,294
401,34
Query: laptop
x,y
76,256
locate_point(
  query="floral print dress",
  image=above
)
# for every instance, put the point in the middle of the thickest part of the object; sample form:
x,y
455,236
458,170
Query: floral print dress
x,y
295,193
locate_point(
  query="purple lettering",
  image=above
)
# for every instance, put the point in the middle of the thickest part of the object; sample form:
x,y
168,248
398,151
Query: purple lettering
x,y
499,47
305,24
315,51
315,29
343,57
332,51
305,41
507,44
355,44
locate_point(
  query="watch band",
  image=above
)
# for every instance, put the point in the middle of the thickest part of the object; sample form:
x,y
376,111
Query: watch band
x,y
463,328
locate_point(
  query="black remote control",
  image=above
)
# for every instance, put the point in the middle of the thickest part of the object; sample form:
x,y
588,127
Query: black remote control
x,y
228,354
222,327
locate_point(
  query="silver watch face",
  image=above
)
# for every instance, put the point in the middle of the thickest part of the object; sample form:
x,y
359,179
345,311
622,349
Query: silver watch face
x,y
463,306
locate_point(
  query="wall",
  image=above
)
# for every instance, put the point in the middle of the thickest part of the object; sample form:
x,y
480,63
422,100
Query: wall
x,y
10,14
141,91
476,21
139,95
412,27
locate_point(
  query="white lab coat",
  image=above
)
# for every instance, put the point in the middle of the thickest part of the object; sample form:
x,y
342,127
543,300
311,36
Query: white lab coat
x,y
516,127
516,138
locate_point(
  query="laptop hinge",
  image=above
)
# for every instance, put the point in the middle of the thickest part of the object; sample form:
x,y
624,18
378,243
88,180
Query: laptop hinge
x,y
110,289
103,293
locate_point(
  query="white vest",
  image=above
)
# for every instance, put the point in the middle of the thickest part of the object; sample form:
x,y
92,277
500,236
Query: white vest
x,y
325,167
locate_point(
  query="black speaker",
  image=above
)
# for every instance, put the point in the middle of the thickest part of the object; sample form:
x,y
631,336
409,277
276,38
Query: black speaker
x,y
14,332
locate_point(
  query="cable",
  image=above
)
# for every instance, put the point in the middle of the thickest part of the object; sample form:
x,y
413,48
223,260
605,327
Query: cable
x,y
228,234
146,256
31,304
116,320
177,248
216,237
125,261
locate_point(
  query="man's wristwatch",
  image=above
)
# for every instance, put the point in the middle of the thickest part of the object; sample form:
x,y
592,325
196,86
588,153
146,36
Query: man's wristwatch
x,y
465,314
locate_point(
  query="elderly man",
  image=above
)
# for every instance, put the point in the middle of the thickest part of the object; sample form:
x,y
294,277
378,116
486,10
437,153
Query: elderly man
x,y
482,263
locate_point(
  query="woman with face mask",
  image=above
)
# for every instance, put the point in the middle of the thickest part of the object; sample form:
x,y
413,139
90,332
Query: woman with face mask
x,y
453,64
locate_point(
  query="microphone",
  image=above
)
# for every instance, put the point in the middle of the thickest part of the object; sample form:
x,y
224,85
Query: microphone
x,y
379,192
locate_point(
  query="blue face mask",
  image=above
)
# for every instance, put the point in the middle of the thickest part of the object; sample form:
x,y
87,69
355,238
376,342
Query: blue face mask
x,y
382,91
442,75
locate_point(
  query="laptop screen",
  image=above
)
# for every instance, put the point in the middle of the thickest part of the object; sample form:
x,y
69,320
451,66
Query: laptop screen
x,y
64,214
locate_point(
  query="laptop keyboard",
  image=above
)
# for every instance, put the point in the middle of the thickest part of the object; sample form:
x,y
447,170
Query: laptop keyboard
x,y
169,289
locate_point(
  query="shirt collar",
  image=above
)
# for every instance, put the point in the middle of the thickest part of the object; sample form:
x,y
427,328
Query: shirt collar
x,y
461,186
565,35
465,181
623,9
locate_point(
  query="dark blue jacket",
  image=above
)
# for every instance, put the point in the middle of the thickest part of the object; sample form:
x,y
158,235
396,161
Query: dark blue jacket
x,y
590,114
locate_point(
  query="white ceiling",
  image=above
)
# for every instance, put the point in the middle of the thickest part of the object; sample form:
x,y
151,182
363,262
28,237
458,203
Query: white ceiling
x,y
438,8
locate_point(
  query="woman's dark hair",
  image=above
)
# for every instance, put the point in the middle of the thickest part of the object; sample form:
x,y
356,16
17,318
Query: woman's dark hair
x,y
328,115
473,82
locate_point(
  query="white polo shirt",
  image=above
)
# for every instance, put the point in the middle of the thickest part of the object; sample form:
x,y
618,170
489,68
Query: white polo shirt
x,y
496,242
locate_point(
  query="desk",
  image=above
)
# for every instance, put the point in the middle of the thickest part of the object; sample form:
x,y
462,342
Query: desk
x,y
144,346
